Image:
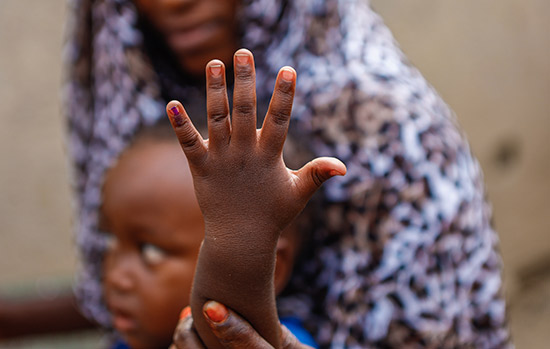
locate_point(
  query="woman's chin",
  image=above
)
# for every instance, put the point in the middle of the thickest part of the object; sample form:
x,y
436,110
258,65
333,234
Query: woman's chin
x,y
194,61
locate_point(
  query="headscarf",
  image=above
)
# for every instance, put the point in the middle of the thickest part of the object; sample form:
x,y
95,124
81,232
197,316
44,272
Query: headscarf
x,y
403,254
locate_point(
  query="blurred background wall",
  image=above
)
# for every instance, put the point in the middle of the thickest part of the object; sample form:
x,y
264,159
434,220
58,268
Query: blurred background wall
x,y
490,60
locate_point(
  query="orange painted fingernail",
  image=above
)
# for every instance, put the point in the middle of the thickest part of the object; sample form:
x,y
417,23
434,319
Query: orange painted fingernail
x,y
185,312
215,311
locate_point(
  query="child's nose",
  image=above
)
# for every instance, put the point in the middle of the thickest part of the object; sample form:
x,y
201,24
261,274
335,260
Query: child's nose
x,y
120,272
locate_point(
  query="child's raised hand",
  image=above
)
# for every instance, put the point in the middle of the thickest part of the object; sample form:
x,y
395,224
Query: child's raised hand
x,y
246,194
239,175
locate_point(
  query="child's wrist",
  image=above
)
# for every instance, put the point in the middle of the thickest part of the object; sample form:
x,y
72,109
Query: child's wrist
x,y
243,239
245,233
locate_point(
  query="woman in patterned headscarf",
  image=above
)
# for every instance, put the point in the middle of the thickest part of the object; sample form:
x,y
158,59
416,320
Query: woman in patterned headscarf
x,y
403,254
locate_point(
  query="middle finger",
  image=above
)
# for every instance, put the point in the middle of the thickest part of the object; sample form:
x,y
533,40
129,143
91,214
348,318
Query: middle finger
x,y
217,106
243,120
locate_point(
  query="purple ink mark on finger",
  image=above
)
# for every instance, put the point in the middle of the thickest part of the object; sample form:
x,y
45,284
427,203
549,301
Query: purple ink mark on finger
x,y
175,111
177,117
178,120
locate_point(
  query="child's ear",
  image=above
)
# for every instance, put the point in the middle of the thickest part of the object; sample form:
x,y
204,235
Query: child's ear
x,y
286,254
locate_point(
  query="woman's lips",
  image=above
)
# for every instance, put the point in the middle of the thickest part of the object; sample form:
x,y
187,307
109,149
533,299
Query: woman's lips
x,y
193,38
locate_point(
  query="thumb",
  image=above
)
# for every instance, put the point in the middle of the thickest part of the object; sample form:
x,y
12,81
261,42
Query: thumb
x,y
232,331
316,172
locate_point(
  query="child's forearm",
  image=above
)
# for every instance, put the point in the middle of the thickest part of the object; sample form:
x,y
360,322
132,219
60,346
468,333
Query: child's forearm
x,y
238,272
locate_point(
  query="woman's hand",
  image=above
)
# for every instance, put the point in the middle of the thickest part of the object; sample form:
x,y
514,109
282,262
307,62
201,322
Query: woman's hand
x,y
240,178
232,332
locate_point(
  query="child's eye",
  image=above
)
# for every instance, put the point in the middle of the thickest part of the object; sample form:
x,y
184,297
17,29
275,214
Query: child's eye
x,y
152,254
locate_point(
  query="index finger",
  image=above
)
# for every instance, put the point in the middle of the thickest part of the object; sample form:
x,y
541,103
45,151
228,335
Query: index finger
x,y
190,139
275,126
185,336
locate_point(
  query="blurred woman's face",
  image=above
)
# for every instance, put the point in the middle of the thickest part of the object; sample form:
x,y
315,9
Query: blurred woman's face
x,y
195,30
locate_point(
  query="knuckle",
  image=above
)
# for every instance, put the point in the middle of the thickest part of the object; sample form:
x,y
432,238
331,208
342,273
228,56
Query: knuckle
x,y
244,73
285,98
317,177
280,117
216,84
218,116
233,334
288,340
178,339
180,334
189,141
286,87
244,108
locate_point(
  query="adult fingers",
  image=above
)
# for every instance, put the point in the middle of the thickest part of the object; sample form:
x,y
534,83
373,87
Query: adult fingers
x,y
190,139
243,119
289,341
217,106
232,330
185,336
316,172
275,126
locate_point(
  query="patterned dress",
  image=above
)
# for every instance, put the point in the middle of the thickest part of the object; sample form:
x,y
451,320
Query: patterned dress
x,y
402,254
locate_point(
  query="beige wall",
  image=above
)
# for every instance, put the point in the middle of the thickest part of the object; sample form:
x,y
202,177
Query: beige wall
x,y
35,236
488,59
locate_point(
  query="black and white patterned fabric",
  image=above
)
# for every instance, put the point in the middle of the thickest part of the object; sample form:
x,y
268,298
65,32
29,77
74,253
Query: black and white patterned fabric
x,y
403,254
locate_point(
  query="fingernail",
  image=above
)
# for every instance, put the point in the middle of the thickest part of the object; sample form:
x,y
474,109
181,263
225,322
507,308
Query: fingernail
x,y
175,111
185,312
242,58
176,116
215,311
333,173
287,74
216,70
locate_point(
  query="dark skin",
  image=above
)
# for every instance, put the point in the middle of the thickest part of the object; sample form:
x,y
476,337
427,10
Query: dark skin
x,y
233,332
156,227
246,193
150,208
166,16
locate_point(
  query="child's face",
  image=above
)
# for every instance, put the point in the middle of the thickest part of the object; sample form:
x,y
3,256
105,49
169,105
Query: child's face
x,y
150,208
156,228
196,31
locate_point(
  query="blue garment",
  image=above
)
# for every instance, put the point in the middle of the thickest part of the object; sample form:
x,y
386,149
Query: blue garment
x,y
119,344
293,324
